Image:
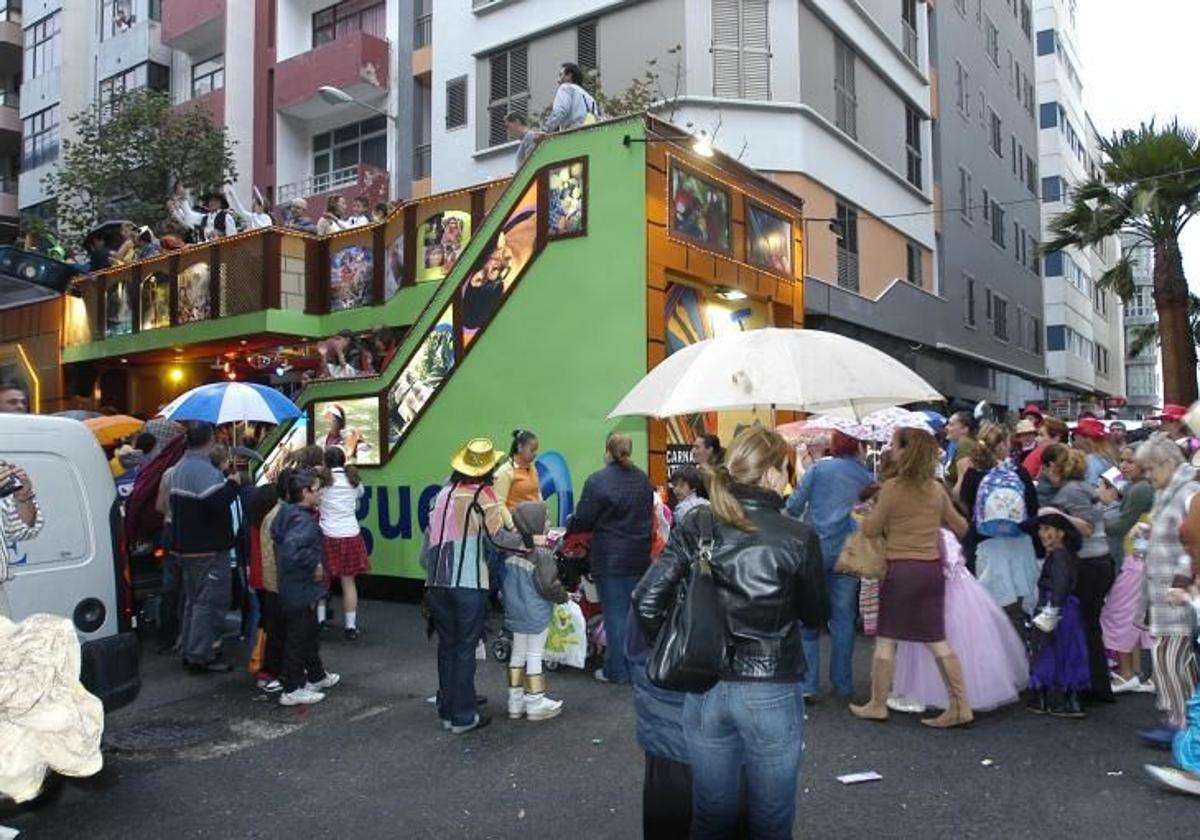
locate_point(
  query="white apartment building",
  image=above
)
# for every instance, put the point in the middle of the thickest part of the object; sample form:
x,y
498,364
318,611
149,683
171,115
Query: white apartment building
x,y
1084,333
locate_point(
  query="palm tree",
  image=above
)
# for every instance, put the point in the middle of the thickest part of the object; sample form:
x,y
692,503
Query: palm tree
x,y
1148,186
1146,335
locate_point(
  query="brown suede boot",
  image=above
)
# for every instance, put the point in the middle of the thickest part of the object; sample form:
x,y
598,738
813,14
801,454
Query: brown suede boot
x,y
958,710
881,685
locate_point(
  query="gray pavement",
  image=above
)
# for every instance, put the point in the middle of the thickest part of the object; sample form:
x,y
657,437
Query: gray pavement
x,y
211,757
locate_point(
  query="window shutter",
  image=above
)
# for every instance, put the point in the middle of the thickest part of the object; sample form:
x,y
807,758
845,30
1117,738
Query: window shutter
x,y
587,53
725,53
518,71
499,77
756,51
456,102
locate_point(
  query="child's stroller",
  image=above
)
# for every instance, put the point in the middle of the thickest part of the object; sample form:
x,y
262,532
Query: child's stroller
x,y
574,570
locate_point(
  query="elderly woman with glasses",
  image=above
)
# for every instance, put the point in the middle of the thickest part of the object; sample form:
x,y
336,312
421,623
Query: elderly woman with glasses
x,y
1168,565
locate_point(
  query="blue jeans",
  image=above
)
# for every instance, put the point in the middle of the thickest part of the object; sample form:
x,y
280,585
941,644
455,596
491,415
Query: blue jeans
x,y
843,610
458,620
206,584
616,595
758,725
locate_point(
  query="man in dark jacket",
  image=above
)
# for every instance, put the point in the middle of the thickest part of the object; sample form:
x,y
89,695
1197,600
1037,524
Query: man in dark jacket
x,y
617,506
202,535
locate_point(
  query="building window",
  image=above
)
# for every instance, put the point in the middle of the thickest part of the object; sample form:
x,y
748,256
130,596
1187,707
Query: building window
x,y
39,137
116,16
987,205
1037,335
1052,189
587,49
346,18
913,264
10,11
1026,19
1141,303
997,134
1054,264
1017,241
993,41
1045,42
987,307
846,230
912,143
1000,317
962,89
741,49
422,24
908,28
346,147
1048,115
1015,161
969,300
997,224
43,46
456,102
147,75
208,76
843,86
965,192
1031,175
508,89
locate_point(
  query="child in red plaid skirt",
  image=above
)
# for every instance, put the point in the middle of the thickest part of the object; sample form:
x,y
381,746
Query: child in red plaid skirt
x,y
345,551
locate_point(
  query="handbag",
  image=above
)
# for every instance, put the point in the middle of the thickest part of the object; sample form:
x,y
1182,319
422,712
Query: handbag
x,y
862,557
690,648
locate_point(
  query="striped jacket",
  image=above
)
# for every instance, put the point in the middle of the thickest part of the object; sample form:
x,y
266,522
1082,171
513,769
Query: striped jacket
x,y
1167,556
14,530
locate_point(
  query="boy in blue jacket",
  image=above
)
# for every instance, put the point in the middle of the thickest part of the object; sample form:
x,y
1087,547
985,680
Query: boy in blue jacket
x,y
300,557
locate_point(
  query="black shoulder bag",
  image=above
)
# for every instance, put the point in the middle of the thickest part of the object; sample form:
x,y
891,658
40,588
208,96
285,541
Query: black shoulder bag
x,y
690,647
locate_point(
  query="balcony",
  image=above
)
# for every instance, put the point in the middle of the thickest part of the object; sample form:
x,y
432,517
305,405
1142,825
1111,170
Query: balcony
x,y
187,24
213,102
10,111
357,63
349,181
274,283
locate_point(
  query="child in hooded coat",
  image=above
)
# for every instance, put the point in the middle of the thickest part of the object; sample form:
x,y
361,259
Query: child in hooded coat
x,y
531,589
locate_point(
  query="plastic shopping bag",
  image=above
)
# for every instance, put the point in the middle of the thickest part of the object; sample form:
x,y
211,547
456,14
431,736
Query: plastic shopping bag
x,y
566,643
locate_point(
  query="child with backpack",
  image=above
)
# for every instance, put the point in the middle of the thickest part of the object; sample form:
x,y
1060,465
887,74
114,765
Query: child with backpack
x,y
1001,501
1059,669
531,589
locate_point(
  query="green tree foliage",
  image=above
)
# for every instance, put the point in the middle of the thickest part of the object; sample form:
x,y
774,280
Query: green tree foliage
x,y
1148,186
128,160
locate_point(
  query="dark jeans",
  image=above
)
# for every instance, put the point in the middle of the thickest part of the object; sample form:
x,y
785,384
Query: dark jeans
x,y
843,610
616,596
458,621
301,649
1096,576
169,598
271,621
758,725
206,589
667,802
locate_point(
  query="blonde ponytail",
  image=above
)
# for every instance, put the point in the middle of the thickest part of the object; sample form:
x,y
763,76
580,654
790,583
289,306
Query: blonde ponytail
x,y
725,505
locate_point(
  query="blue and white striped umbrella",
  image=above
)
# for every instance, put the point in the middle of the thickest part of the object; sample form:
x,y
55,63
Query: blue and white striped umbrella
x,y
231,402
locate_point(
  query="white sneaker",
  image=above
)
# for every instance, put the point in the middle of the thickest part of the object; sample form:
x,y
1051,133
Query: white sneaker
x,y
330,680
516,703
541,707
270,686
600,676
904,705
1145,686
301,697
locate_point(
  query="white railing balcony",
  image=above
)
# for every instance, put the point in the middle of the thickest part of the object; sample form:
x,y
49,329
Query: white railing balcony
x,y
322,183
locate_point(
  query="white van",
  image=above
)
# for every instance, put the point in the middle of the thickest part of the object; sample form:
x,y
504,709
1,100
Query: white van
x,y
75,566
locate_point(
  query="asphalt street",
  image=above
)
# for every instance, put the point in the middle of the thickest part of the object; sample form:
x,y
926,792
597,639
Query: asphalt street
x,y
212,757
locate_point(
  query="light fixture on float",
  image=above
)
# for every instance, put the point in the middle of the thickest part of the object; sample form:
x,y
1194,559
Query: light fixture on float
x,y
703,145
730,293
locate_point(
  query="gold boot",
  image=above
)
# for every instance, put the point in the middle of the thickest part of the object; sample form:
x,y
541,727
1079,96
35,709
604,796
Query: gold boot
x,y
881,686
516,693
958,710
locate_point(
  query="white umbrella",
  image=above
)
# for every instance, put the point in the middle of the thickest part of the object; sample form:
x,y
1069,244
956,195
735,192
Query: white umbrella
x,y
881,425
787,369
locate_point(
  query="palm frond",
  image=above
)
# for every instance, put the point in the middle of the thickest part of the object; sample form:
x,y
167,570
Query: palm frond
x,y
1119,278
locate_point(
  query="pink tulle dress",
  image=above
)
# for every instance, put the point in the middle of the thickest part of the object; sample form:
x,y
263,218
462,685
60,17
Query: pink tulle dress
x,y
995,665
1124,609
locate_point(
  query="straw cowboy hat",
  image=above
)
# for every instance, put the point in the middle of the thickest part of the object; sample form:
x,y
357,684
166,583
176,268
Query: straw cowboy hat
x,y
478,458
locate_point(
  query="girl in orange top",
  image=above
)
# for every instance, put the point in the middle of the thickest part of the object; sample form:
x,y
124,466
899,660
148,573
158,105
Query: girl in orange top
x,y
517,478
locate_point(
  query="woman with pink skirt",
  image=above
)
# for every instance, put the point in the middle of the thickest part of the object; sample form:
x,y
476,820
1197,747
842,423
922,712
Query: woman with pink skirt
x,y
995,664
1123,615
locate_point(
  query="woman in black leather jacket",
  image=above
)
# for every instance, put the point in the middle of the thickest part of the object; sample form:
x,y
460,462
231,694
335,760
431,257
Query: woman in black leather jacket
x,y
770,580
